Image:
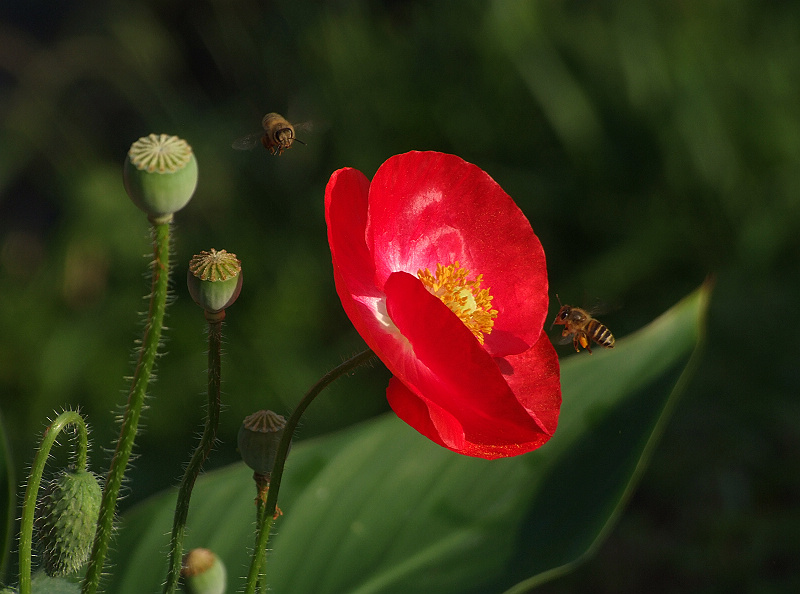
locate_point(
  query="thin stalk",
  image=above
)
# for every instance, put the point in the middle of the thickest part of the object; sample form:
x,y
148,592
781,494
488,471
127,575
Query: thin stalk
x,y
69,417
261,506
268,514
133,410
199,457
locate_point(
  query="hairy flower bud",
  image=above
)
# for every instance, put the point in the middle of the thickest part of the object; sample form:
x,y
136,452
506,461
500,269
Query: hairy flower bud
x,y
160,175
203,572
67,520
258,440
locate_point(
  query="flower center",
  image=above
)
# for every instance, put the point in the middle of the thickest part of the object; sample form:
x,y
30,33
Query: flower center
x,y
465,298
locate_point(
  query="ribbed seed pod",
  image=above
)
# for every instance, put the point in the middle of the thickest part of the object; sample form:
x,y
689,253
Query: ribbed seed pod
x,y
160,175
214,279
258,440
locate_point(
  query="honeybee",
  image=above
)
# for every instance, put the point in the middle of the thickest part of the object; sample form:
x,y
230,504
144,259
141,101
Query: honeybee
x,y
277,135
583,327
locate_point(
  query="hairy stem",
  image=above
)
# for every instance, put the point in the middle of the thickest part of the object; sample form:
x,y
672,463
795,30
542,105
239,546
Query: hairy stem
x,y
268,514
261,506
199,457
133,410
34,481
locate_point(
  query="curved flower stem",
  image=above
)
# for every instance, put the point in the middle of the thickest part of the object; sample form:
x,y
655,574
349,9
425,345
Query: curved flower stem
x,y
268,512
32,490
200,454
133,410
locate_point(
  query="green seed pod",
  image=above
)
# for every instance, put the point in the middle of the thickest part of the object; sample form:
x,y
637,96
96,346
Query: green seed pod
x,y
160,175
67,520
203,572
214,280
258,440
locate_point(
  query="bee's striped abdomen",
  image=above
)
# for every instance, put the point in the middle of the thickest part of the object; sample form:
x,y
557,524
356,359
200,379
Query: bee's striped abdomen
x,y
600,334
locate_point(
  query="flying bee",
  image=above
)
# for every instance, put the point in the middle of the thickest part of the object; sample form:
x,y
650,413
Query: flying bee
x,y
583,327
277,135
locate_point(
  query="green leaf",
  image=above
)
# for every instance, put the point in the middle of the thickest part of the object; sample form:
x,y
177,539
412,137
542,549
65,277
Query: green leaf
x,y
43,584
378,508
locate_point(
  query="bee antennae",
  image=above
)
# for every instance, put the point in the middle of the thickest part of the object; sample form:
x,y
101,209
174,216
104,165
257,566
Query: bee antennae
x,y
300,141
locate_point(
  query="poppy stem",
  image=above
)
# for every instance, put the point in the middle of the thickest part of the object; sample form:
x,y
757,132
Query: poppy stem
x,y
267,515
200,455
130,420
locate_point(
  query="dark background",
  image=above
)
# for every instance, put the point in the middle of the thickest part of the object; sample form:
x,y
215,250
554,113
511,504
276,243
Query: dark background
x,y
649,144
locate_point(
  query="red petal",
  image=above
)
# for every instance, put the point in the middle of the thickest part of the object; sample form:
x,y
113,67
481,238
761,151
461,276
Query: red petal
x,y
353,267
470,407
346,215
427,208
419,413
535,378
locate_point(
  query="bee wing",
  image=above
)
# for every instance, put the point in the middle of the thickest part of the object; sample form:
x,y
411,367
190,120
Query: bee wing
x,y
565,339
600,308
304,127
247,143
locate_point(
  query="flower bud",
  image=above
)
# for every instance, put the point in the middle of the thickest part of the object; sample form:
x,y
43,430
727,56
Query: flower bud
x,y
203,572
160,175
67,520
258,440
214,280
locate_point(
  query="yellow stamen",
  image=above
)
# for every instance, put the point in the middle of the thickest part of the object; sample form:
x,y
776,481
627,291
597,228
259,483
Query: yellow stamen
x,y
465,298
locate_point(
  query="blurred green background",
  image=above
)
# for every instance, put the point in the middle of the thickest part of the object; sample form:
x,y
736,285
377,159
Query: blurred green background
x,y
649,144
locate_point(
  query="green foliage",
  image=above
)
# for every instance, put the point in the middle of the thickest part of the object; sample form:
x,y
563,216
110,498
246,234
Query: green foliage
x,y
44,584
378,508
649,144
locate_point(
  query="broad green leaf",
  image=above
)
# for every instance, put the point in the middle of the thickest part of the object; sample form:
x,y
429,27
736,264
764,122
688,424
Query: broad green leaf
x,y
42,584
378,508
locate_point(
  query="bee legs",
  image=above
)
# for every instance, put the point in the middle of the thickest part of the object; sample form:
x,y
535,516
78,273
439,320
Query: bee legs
x,y
581,340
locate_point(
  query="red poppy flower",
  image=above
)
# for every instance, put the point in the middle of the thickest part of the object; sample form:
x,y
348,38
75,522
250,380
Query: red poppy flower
x,y
443,277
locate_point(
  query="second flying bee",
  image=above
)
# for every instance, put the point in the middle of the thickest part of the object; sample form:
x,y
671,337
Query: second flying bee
x,y
584,328
277,136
